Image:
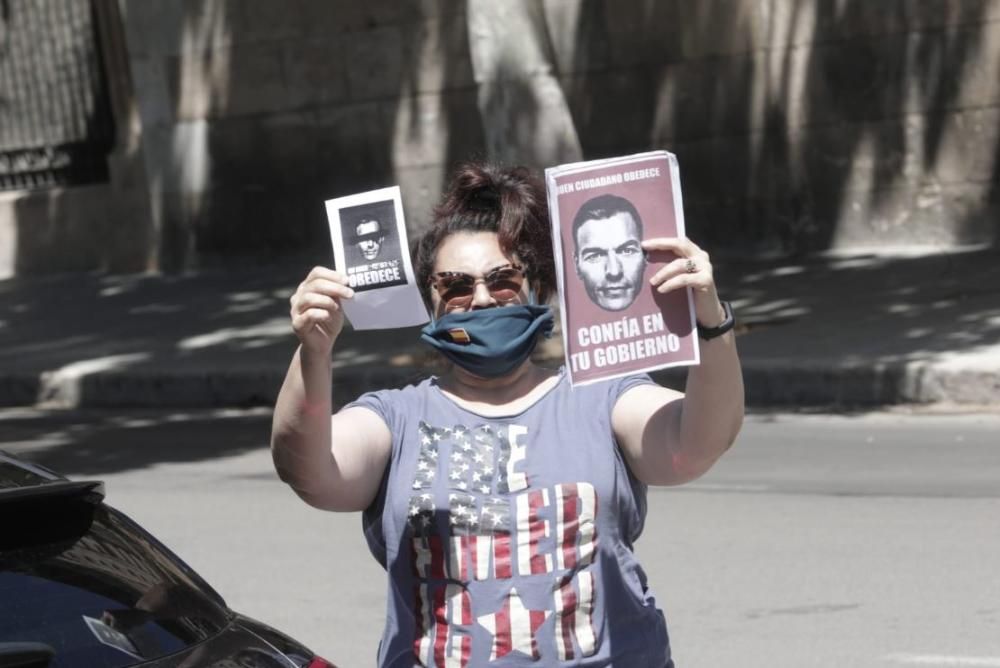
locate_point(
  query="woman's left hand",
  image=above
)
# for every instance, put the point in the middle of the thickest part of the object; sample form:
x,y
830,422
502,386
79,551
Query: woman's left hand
x,y
692,268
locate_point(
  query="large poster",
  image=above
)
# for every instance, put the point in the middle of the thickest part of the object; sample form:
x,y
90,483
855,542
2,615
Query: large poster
x,y
613,321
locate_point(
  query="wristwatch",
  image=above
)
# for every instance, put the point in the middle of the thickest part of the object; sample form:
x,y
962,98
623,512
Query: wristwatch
x,y
727,324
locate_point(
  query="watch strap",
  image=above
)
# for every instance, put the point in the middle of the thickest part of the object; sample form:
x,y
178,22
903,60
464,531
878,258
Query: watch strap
x,y
709,333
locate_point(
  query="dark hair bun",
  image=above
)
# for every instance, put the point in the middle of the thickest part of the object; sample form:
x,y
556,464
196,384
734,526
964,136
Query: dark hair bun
x,y
485,198
510,201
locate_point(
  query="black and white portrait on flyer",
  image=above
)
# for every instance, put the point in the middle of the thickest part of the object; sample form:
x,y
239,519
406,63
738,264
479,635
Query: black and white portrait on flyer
x,y
368,234
371,246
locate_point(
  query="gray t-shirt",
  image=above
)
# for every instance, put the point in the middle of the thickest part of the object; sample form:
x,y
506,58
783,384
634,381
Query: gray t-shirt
x,y
509,539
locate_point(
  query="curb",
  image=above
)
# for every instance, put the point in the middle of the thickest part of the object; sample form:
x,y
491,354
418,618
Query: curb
x,y
811,385
805,385
179,389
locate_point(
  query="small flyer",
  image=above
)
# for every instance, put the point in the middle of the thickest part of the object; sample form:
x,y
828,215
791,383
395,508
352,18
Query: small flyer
x,y
614,322
369,246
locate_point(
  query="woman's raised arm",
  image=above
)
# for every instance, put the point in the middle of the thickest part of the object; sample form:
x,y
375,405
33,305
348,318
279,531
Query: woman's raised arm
x,y
669,438
333,462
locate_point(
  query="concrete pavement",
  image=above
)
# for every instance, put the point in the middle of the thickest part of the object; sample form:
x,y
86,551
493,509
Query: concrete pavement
x,y
829,331
879,528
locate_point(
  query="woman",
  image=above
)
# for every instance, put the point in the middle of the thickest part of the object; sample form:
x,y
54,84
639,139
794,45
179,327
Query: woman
x,y
503,503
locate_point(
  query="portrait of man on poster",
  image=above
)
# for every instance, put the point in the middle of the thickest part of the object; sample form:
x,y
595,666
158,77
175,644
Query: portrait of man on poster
x,y
607,251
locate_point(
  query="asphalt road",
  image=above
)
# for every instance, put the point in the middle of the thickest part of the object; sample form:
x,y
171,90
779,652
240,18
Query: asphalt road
x,y
870,540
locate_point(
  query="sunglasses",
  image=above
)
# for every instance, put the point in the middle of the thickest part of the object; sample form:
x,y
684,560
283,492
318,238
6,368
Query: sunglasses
x,y
457,288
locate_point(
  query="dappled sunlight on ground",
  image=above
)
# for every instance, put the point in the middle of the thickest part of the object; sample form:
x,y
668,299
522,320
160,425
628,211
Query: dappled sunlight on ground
x,y
81,443
224,337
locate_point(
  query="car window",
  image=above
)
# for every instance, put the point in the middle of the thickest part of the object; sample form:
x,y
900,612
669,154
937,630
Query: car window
x,y
18,476
85,581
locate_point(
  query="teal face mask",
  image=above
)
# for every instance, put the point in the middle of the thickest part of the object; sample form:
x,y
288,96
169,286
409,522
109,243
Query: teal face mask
x,y
490,342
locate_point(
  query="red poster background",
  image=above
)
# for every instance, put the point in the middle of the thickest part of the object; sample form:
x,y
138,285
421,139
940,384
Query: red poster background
x,y
654,200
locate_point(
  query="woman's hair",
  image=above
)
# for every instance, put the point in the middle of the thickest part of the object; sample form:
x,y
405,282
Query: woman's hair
x,y
485,197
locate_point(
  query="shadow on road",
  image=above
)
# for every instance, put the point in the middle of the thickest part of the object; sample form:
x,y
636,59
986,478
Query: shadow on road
x,y
98,443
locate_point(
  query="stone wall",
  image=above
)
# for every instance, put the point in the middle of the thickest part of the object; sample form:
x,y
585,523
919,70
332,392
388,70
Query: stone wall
x,y
256,111
799,125
53,230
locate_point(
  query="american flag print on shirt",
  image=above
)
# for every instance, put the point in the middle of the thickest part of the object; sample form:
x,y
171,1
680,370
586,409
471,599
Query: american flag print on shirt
x,y
474,520
443,621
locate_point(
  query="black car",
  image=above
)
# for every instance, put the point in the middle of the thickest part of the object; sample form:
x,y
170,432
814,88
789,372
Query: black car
x,y
82,585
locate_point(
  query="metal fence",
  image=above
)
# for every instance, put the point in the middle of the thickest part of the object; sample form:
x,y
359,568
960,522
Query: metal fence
x,y
55,119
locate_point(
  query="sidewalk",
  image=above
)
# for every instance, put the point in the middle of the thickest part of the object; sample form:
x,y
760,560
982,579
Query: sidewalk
x,y
840,332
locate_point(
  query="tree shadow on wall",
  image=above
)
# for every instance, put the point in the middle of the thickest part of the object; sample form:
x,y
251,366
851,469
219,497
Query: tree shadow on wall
x,y
267,109
800,124
275,107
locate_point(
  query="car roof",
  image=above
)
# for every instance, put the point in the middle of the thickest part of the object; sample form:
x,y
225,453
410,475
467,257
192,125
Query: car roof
x,y
18,472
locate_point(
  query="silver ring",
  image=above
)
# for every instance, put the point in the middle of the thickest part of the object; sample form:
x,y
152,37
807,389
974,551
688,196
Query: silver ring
x,y
690,267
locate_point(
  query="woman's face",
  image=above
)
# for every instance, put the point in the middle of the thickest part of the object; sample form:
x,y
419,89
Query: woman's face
x,y
476,254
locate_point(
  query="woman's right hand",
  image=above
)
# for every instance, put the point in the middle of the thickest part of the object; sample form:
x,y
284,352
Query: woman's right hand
x,y
317,317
